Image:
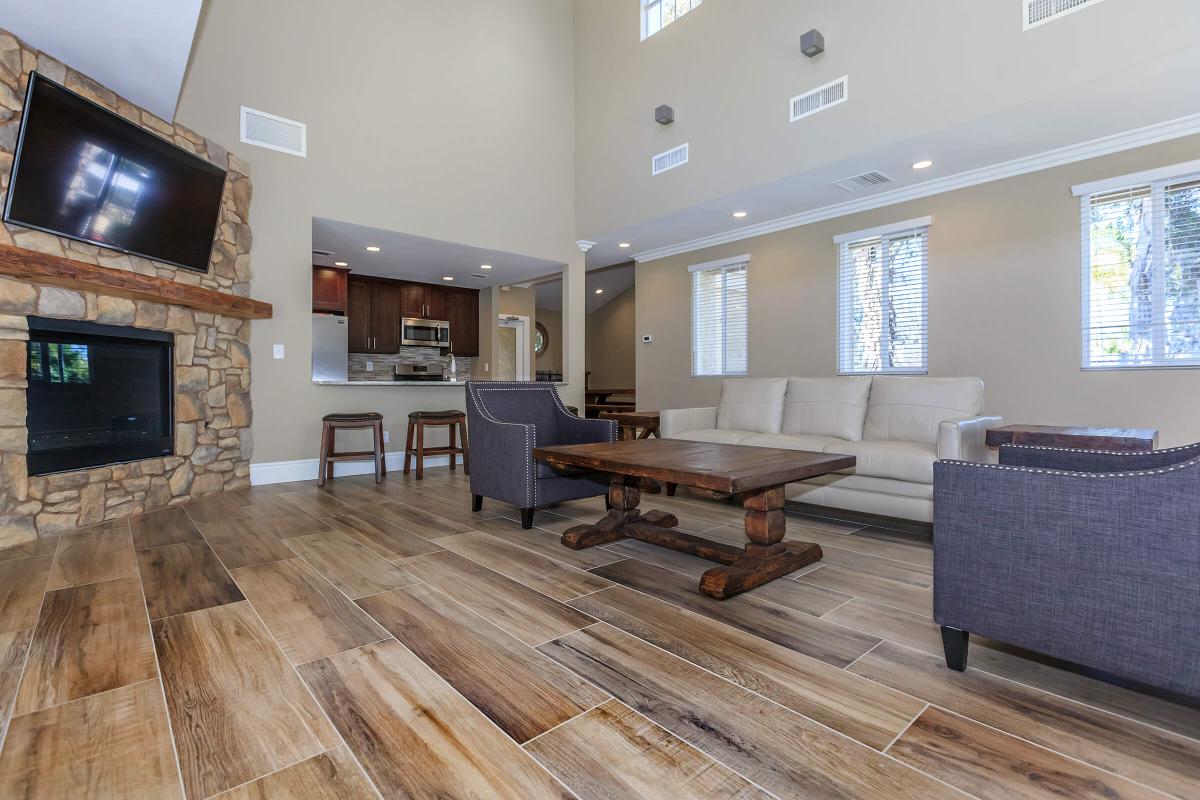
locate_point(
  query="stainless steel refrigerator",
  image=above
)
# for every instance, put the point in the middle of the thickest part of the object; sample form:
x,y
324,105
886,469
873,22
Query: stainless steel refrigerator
x,y
330,347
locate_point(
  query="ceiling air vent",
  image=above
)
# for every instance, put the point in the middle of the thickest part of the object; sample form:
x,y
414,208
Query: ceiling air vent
x,y
669,160
863,181
821,98
478,276
322,252
274,133
1038,12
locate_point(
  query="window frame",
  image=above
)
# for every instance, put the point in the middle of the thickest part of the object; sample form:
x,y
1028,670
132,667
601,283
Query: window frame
x,y
644,16
1155,181
723,265
884,233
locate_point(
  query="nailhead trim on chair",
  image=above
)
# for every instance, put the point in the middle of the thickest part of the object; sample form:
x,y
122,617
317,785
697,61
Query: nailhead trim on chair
x,y
1137,474
1180,449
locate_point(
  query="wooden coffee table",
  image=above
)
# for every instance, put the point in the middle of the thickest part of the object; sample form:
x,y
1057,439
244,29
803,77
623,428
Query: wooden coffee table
x,y
756,475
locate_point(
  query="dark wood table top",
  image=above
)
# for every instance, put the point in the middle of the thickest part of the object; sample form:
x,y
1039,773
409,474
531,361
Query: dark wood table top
x,y
1128,439
639,419
727,468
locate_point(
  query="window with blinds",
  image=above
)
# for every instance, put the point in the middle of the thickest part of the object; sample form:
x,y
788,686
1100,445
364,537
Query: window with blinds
x,y
1141,273
720,313
883,300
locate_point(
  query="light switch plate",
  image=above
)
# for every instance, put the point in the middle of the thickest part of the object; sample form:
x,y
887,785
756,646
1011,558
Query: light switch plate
x,y
370,366
277,351
387,436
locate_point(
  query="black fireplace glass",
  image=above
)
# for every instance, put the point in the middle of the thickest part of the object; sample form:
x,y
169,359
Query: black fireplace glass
x,y
98,394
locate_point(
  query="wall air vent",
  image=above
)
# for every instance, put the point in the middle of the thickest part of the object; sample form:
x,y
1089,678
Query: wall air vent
x,y
864,181
274,133
671,159
821,98
1038,12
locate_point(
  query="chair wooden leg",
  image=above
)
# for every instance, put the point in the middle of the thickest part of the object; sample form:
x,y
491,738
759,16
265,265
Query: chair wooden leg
x,y
466,448
321,467
420,450
954,645
408,439
377,431
453,429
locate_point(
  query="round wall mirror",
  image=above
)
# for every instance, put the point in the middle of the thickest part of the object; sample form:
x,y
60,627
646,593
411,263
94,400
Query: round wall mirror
x,y
541,338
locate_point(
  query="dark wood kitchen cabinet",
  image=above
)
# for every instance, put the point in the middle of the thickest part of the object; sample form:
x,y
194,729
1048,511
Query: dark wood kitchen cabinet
x,y
462,312
330,289
423,300
373,309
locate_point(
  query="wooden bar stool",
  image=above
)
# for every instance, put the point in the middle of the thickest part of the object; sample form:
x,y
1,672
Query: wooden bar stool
x,y
456,421
331,424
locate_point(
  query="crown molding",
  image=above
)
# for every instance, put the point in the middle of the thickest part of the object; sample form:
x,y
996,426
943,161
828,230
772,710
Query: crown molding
x,y
1106,145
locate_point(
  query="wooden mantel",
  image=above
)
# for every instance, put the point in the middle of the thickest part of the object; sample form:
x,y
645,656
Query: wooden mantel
x,y
44,268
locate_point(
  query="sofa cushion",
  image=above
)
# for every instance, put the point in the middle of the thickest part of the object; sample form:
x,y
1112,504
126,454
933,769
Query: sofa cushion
x,y
713,435
826,406
751,404
903,461
815,444
865,483
911,409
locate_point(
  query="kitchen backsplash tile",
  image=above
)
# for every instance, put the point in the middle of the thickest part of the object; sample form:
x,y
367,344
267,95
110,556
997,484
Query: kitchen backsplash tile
x,y
385,364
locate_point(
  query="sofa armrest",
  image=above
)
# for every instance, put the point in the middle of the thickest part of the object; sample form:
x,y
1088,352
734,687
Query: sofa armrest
x,y
963,439
674,421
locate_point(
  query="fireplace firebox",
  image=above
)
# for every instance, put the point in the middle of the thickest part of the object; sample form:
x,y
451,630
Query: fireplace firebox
x,y
98,394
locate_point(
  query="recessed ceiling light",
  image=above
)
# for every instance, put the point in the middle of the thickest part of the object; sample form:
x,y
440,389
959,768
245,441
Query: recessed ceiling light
x,y
740,214
447,277
599,291
923,164
623,244
485,266
340,264
372,248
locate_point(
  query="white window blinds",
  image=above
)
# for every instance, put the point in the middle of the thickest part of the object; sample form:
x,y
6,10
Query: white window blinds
x,y
883,299
720,310
1141,273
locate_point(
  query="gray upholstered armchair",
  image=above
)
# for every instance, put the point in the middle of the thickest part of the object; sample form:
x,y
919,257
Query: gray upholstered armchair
x,y
1091,557
508,420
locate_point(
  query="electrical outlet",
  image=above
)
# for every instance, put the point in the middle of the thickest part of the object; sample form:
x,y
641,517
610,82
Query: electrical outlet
x,y
370,366
277,351
485,366
387,436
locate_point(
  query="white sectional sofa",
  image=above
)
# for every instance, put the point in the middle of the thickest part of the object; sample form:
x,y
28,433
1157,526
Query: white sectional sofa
x,y
895,426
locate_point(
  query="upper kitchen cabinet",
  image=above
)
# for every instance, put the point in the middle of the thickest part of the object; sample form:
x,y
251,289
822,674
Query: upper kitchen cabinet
x,y
377,307
330,286
423,301
374,313
462,312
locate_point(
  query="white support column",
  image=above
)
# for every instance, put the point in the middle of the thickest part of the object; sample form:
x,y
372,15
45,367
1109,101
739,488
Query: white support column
x,y
574,329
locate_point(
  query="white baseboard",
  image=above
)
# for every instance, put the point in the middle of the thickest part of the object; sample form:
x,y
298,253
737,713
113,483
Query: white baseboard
x,y
306,468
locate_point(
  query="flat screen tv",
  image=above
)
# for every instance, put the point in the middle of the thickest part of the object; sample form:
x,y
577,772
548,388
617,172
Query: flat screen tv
x,y
86,173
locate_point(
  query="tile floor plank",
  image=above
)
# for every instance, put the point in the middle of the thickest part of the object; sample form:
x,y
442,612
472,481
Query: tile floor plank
x,y
382,537
238,710
541,539
22,586
428,517
524,613
783,626
102,553
781,751
536,571
114,744
179,578
862,709
880,567
518,688
170,525
904,596
304,612
417,737
353,569
1158,759
41,546
329,776
994,766
88,639
244,543
614,753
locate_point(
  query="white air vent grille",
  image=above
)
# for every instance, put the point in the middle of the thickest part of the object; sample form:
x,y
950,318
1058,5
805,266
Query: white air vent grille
x,y
322,252
1038,12
863,181
821,98
671,159
274,133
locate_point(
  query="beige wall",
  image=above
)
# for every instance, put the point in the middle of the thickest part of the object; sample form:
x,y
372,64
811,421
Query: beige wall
x,y
551,358
916,67
610,348
1004,304
452,121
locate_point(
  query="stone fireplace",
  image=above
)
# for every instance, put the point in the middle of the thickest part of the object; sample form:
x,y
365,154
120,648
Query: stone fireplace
x,y
208,441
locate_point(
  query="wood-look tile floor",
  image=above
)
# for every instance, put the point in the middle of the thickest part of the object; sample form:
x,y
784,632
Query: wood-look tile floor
x,y
362,641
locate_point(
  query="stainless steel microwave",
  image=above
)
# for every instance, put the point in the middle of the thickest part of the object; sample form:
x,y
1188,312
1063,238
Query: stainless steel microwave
x,y
424,332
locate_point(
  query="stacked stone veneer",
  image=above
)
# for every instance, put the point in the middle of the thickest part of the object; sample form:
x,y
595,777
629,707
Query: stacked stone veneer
x,y
212,356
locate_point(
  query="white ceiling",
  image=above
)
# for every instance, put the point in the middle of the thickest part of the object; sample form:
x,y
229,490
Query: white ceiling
x,y
417,258
612,280
1080,114
137,48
